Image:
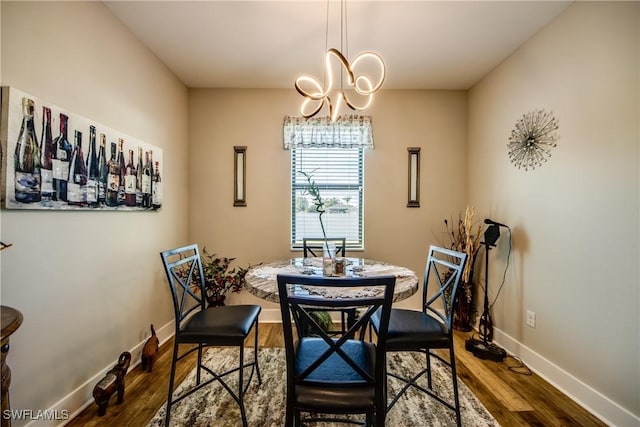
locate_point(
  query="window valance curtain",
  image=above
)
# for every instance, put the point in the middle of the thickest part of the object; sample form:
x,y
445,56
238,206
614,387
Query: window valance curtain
x,y
346,132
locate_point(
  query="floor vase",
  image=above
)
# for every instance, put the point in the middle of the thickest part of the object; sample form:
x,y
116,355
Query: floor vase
x,y
463,307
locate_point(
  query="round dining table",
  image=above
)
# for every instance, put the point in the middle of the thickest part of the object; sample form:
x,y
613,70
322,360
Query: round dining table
x,y
261,280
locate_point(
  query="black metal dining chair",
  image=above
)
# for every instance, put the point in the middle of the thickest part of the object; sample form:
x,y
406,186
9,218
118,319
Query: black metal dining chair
x,y
330,377
313,246
216,326
429,329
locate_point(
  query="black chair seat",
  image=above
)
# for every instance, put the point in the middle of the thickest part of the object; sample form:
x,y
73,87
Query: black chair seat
x,y
225,326
342,388
335,369
413,330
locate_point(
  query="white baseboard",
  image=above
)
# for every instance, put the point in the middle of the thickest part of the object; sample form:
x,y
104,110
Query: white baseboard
x,y
80,398
592,400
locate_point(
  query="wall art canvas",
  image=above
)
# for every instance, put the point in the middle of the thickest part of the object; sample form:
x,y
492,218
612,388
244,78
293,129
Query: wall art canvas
x,y
55,159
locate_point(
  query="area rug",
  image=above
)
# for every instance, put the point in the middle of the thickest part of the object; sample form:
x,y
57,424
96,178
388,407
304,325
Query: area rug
x,y
265,404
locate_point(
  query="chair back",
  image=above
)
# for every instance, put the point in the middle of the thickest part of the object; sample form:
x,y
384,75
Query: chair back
x,y
300,295
440,287
186,280
312,246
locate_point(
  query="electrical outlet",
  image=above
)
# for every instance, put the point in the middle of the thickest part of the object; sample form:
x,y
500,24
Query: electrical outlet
x,y
531,318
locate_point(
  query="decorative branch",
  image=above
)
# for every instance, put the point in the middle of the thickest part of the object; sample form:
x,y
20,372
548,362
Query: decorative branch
x,y
314,191
465,239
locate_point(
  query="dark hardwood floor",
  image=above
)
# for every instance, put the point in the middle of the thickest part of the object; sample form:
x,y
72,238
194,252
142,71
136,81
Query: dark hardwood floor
x,y
513,399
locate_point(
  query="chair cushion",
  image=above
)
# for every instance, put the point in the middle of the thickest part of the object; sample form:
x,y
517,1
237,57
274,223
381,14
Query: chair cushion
x,y
411,330
345,400
227,325
334,385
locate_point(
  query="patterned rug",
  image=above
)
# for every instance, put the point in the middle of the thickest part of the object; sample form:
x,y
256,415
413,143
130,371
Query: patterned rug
x,y
265,404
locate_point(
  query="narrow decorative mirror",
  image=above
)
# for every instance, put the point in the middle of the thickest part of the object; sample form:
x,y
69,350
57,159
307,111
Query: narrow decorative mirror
x,y
414,177
239,170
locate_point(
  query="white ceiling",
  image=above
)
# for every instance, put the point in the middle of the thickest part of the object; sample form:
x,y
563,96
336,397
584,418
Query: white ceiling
x,y
267,44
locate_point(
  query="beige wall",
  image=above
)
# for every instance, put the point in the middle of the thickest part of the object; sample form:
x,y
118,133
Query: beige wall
x,y
88,283
575,220
98,281
260,232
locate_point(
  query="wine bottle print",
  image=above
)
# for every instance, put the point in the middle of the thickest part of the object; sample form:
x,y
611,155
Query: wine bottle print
x,y
147,177
122,168
139,172
56,159
103,171
113,178
93,171
62,152
157,188
27,158
46,156
77,182
130,182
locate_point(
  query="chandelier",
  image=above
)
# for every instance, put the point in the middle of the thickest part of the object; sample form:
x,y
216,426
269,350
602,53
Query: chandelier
x,y
360,87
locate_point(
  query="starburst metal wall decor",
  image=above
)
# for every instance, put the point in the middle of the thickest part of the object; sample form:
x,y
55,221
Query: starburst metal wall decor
x,y
531,140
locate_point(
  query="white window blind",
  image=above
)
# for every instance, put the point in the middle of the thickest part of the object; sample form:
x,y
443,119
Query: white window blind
x,y
339,176
333,153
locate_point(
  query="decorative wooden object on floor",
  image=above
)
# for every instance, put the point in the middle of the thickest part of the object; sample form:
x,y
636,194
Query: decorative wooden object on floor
x,y
112,382
11,321
150,351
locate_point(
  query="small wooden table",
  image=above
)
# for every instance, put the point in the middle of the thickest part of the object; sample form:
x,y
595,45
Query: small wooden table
x,y
11,321
262,282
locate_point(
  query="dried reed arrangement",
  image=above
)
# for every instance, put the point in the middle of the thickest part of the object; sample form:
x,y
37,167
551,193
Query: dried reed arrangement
x,y
464,239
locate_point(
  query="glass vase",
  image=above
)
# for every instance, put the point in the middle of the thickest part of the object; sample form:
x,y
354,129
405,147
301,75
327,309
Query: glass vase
x,y
328,259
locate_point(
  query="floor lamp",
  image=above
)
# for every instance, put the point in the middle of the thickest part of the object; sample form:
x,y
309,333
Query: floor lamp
x,y
484,348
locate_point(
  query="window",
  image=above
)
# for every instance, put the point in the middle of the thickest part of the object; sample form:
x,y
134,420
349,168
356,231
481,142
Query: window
x,y
332,152
338,172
